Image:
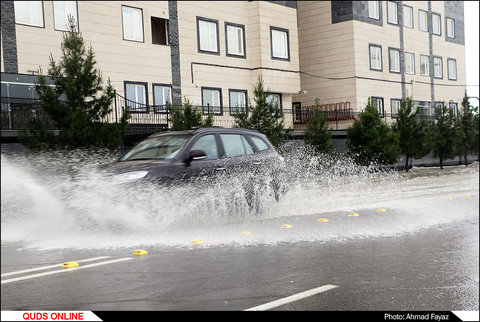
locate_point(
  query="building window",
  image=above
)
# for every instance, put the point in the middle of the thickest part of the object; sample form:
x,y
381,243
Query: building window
x,y
377,102
375,57
61,12
437,67
159,31
423,107
162,95
136,96
29,13
373,9
392,12
394,60
410,63
132,19
279,43
235,41
422,20
424,65
408,16
452,69
237,100
436,24
211,100
207,36
275,99
453,107
450,28
395,106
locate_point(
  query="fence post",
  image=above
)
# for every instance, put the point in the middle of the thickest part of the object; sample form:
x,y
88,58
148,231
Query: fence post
x,y
336,119
115,104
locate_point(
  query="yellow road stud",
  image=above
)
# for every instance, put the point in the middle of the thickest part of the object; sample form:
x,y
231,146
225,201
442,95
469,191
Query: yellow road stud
x,y
354,214
467,195
70,264
322,219
140,252
381,210
197,241
245,233
286,226
448,198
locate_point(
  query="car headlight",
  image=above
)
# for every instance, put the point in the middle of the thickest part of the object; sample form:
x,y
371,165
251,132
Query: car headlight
x,y
129,176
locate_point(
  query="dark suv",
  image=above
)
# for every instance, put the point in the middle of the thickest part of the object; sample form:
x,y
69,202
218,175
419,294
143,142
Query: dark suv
x,y
204,152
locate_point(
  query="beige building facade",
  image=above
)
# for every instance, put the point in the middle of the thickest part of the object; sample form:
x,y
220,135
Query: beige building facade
x,y
212,53
353,51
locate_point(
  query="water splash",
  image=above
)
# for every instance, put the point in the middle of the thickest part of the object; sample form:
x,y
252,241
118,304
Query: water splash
x,y
63,200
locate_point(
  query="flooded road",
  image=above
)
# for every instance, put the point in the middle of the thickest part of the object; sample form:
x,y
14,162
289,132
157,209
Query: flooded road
x,y
386,240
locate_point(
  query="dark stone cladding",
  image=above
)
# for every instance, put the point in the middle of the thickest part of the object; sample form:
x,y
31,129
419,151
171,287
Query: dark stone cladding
x,y
174,53
290,4
353,10
9,37
455,10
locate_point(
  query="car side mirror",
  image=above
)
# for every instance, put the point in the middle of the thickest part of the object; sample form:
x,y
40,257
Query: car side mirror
x,y
195,155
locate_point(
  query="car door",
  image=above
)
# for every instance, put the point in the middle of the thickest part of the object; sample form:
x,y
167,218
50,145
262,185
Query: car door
x,y
238,153
205,167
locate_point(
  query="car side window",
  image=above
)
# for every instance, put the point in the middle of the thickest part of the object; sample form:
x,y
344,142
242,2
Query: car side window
x,y
259,143
235,145
208,144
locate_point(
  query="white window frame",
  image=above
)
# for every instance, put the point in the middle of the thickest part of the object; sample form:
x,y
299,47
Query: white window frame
x,y
392,12
409,63
374,10
29,13
424,59
394,60
274,98
165,96
207,36
376,59
132,23
216,95
422,20
133,102
241,96
61,11
394,107
407,22
450,28
279,43
437,67
452,68
436,24
235,39
377,102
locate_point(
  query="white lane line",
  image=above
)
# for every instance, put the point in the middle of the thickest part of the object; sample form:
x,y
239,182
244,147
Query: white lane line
x,y
16,279
52,266
292,298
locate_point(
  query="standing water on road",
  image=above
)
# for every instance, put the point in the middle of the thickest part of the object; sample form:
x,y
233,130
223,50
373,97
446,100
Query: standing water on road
x,y
63,199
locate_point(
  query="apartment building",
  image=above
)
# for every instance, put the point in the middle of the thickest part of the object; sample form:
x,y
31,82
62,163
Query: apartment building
x,y
210,53
351,51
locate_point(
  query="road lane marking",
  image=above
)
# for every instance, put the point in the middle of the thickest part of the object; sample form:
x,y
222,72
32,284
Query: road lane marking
x,y
20,278
52,266
292,298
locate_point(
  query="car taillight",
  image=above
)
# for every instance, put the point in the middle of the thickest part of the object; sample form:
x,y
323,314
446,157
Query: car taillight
x,y
279,157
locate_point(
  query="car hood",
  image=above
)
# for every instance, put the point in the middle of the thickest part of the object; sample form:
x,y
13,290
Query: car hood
x,y
136,165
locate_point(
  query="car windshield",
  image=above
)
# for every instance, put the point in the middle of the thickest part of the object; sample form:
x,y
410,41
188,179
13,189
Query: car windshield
x,y
157,148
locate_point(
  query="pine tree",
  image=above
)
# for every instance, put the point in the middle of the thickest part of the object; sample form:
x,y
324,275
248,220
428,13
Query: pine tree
x,y
78,102
465,126
316,131
414,134
187,118
370,140
266,117
444,134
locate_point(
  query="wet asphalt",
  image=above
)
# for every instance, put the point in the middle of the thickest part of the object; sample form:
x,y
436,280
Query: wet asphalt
x,y
431,269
